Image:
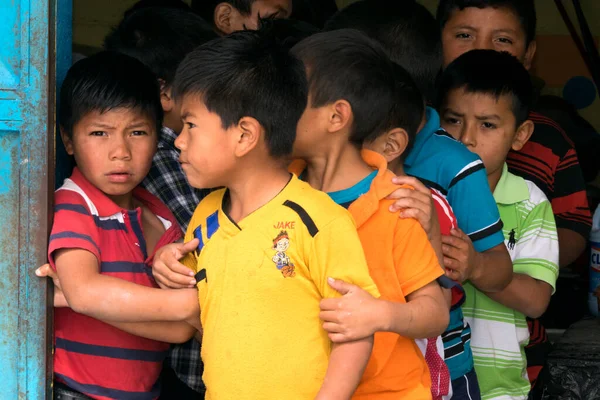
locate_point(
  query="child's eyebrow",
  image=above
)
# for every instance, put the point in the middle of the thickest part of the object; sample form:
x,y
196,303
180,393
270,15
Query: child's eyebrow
x,y
463,26
487,117
137,124
454,113
102,125
186,115
505,30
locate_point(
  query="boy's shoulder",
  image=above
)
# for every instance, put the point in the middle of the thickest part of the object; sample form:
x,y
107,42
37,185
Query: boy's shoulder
x,y
74,197
451,155
312,205
441,160
514,189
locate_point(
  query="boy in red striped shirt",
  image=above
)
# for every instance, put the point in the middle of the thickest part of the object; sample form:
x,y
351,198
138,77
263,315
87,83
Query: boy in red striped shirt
x,y
104,236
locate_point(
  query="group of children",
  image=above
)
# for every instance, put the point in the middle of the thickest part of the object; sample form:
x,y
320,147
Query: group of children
x,y
351,226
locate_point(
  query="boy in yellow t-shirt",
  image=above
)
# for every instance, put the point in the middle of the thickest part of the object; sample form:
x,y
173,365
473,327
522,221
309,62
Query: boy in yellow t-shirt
x,y
267,242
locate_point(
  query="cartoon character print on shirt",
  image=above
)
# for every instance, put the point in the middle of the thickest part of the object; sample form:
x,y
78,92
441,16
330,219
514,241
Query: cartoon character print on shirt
x,y
280,244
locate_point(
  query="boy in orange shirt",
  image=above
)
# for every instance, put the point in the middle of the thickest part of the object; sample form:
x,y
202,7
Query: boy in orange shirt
x,y
380,99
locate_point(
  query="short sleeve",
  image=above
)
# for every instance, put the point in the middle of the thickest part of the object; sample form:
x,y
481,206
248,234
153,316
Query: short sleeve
x,y
476,211
191,259
444,212
536,251
206,214
569,200
74,226
337,253
415,260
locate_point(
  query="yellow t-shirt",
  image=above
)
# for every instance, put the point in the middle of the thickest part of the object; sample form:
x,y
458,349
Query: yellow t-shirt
x,y
260,284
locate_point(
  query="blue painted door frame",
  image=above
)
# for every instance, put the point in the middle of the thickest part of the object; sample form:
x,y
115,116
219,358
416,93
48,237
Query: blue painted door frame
x,y
30,62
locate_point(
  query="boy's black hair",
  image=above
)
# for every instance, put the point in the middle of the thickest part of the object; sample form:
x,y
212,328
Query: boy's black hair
x,y
176,4
288,31
248,73
160,38
106,81
206,8
315,12
346,64
408,32
523,9
493,73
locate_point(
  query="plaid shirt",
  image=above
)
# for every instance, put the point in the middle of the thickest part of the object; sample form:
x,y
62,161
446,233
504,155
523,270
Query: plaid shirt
x,y
166,180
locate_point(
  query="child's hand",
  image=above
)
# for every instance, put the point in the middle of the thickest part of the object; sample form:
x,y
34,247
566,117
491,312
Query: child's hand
x,y
459,256
59,297
45,271
351,317
168,272
416,204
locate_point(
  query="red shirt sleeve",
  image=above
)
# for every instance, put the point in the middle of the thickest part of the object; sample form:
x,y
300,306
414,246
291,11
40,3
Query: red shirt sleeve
x,y
445,214
74,226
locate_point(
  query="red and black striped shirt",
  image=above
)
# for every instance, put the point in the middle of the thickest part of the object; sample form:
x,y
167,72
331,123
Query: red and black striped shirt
x,y
549,160
91,356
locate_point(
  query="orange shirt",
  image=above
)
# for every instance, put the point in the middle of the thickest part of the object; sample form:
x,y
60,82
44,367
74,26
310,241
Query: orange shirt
x,y
401,261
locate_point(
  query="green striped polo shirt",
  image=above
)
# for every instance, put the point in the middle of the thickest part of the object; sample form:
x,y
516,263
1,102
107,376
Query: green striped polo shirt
x,y
500,334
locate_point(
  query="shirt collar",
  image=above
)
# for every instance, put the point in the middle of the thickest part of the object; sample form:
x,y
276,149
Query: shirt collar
x,y
106,207
168,136
381,186
510,189
432,125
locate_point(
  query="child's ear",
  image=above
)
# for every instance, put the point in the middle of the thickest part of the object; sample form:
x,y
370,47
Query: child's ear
x,y
341,116
166,98
530,54
396,144
66,141
225,18
523,134
248,136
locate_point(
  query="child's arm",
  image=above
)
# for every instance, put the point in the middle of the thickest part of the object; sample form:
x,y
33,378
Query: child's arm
x,y
525,294
347,363
107,298
536,258
337,251
358,314
425,312
171,273
489,271
170,332
417,203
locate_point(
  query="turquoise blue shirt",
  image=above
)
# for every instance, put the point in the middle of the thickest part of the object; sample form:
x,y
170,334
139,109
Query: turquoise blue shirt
x,y
347,196
445,164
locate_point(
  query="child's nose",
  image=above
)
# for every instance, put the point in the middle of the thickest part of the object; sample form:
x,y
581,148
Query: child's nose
x,y
120,150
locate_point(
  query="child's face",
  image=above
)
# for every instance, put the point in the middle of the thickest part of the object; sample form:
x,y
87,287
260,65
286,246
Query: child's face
x,y
114,149
261,9
311,130
485,28
207,152
486,125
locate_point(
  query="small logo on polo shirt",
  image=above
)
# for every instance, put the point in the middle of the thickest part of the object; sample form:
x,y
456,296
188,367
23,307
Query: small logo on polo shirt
x,y
284,225
511,239
283,263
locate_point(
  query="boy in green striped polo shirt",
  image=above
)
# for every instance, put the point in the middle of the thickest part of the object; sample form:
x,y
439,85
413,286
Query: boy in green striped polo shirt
x,y
485,97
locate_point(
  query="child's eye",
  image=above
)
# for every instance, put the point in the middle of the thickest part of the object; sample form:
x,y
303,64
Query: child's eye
x,y
98,133
190,125
138,133
488,125
505,40
463,36
452,121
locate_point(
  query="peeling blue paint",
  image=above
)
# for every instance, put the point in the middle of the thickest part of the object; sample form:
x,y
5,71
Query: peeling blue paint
x,y
26,142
